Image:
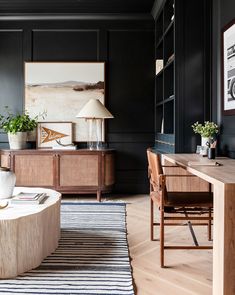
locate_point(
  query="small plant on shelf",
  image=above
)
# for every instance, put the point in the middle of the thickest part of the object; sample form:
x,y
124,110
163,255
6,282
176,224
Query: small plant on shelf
x,y
208,130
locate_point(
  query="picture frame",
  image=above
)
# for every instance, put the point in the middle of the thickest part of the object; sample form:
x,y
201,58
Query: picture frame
x,y
61,89
228,69
50,133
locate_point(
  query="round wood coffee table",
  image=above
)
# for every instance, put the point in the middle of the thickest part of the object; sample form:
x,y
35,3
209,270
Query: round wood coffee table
x,y
28,233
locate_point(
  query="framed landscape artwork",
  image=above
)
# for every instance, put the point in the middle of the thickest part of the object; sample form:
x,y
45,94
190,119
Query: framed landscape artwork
x,y
53,134
61,89
228,69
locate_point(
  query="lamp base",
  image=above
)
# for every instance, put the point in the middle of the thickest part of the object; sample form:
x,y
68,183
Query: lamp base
x,y
95,145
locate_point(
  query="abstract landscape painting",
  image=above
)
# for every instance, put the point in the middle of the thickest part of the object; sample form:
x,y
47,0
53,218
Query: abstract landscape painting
x,y
62,89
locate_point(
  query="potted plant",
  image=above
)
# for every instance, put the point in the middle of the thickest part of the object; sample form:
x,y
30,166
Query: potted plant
x,y
17,127
207,131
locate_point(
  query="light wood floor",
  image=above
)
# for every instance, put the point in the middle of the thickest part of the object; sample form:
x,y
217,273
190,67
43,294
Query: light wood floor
x,y
188,272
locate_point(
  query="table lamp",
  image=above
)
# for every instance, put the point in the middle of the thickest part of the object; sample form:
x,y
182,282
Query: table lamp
x,y
95,113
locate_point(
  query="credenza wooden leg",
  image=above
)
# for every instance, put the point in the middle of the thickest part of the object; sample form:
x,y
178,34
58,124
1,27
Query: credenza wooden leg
x,y
98,196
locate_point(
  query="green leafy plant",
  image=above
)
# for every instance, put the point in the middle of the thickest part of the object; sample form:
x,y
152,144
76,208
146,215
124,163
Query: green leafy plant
x,y
12,123
208,130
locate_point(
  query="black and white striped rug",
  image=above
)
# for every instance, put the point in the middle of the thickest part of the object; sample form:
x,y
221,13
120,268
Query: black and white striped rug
x,y
92,257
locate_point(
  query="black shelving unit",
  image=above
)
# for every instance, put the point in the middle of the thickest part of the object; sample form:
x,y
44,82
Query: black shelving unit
x,y
165,93
182,86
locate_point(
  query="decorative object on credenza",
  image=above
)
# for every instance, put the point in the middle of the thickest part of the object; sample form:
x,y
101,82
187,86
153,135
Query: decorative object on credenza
x,y
54,135
228,69
208,132
62,89
95,113
7,182
17,126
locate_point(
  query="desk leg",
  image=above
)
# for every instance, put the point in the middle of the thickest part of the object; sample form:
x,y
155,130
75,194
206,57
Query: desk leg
x,y
224,240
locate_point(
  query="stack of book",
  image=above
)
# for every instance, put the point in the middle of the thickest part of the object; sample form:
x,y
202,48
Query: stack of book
x,y
29,198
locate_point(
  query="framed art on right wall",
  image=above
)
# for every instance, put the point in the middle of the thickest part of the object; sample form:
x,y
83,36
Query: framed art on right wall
x,y
228,69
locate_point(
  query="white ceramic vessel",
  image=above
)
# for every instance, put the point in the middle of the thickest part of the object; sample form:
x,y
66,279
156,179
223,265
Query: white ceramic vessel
x,y
204,141
7,183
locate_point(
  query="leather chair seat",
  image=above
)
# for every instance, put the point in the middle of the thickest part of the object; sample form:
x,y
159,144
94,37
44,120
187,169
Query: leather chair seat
x,y
185,199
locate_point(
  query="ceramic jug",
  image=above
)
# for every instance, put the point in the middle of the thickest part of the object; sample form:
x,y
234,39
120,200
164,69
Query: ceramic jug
x,y
7,182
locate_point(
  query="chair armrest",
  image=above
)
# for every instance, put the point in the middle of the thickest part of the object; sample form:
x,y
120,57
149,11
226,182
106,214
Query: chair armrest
x,y
169,166
175,175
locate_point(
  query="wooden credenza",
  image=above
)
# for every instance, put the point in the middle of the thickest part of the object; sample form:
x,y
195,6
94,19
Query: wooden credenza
x,y
81,171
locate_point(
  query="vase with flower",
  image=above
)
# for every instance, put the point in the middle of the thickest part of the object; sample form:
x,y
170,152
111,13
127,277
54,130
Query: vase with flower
x,y
208,132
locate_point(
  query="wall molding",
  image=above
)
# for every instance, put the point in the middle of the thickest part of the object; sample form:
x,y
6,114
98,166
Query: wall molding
x,y
84,16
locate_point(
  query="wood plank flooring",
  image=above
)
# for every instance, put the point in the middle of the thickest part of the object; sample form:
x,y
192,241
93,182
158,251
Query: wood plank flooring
x,y
188,272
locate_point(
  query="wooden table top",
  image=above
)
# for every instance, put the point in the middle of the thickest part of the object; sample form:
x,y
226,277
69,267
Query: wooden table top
x,y
224,174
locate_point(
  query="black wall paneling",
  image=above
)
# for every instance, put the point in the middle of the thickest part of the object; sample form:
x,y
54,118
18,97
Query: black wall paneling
x,y
127,47
72,45
75,6
11,80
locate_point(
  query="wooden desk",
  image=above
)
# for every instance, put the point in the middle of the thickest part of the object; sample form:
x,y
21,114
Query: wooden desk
x,y
223,179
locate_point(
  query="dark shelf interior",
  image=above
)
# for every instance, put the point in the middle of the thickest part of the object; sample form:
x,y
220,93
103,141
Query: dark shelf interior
x,y
159,88
168,13
169,117
159,28
169,81
159,118
169,28
168,47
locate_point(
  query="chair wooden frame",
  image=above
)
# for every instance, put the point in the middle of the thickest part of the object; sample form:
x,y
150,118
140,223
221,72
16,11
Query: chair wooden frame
x,y
157,195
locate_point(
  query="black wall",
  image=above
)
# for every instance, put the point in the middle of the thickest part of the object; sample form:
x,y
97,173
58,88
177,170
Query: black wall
x,y
224,12
126,45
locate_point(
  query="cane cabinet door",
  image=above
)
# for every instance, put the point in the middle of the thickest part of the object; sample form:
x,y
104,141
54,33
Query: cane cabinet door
x,y
78,170
36,170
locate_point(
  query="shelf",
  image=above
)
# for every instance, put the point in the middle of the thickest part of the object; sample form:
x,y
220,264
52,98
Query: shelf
x,y
159,73
170,98
159,43
164,68
169,63
159,103
164,143
171,26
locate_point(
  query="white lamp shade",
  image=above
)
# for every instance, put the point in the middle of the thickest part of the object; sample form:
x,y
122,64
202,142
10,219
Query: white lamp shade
x,y
94,109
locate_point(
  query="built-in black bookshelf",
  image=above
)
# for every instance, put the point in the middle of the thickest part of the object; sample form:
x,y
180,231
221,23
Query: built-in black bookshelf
x,y
182,80
165,85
